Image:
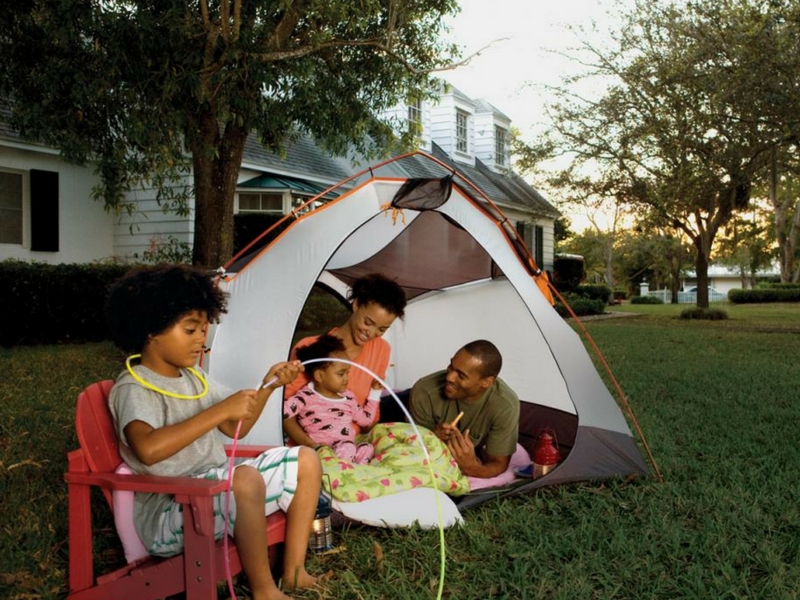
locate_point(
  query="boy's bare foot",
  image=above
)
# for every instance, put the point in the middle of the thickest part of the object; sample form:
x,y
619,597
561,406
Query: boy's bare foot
x,y
272,594
299,579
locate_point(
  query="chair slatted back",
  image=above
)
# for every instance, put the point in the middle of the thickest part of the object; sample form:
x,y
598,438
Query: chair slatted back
x,y
95,428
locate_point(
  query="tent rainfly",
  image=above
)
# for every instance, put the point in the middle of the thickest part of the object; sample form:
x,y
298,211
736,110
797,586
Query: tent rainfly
x,y
466,277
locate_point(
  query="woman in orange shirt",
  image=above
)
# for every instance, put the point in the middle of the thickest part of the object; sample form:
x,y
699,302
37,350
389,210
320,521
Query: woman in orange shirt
x,y
376,301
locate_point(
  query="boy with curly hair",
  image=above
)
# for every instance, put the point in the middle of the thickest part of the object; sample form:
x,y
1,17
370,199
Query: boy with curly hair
x,y
165,412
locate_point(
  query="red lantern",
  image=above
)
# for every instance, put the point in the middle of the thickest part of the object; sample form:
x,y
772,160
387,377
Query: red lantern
x,y
546,455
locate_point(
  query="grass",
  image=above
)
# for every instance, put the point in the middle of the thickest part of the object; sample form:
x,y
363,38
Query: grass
x,y
716,400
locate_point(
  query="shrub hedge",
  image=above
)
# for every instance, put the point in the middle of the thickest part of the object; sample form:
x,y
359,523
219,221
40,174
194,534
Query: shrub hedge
x,y
764,295
48,304
646,300
772,285
595,291
581,306
708,314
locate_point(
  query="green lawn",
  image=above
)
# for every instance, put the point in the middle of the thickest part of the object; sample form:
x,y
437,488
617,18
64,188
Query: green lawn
x,y
719,403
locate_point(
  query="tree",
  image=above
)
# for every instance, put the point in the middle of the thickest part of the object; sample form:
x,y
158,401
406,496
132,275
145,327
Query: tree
x,y
562,230
156,89
784,197
746,245
679,127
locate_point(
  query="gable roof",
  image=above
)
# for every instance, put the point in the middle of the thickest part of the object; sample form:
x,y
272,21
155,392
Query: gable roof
x,y
509,189
484,106
301,156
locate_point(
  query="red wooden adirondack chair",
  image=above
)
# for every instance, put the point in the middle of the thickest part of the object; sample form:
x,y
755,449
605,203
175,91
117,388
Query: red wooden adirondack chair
x,y
197,571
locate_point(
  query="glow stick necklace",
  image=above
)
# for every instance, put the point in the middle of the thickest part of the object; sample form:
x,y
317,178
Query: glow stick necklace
x,y
152,387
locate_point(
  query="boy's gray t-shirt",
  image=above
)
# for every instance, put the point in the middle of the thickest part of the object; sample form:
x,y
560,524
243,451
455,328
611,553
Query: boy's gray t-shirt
x,y
131,401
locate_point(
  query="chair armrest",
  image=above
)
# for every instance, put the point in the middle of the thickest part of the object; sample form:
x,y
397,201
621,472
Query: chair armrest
x,y
150,483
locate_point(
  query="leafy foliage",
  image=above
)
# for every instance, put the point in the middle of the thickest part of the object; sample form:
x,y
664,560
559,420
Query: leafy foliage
x,y
695,98
161,92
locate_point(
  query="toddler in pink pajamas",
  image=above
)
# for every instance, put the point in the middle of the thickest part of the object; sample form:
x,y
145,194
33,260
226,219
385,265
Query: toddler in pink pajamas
x,y
325,408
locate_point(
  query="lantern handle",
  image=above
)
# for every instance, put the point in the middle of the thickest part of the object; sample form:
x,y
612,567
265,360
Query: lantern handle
x,y
551,431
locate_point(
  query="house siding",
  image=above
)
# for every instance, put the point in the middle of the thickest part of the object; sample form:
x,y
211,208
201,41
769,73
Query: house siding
x,y
149,225
84,227
485,139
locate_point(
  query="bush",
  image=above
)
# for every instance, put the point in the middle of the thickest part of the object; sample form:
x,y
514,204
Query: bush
x,y
620,294
581,306
763,295
594,291
646,300
708,314
46,304
777,285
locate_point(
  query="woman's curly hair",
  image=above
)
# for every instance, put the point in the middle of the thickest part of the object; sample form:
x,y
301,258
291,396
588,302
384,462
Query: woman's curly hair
x,y
147,301
382,291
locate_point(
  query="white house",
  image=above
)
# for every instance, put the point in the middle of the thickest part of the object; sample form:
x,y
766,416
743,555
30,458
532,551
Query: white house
x,y
724,278
47,212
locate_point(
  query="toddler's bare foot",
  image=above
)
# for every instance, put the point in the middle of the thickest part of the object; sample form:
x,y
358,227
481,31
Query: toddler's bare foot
x,y
298,579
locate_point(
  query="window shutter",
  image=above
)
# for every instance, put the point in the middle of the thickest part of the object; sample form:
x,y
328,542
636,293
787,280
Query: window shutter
x,y
538,251
44,210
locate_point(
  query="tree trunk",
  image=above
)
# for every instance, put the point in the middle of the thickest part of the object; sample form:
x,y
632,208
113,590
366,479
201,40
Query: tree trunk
x,y
786,240
674,281
791,246
216,160
609,260
703,244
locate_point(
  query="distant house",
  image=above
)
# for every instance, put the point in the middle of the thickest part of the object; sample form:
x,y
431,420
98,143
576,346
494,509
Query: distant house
x,y
47,212
724,278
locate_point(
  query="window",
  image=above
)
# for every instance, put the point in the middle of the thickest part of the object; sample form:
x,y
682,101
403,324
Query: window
x,y
461,132
499,146
533,236
10,208
415,116
263,203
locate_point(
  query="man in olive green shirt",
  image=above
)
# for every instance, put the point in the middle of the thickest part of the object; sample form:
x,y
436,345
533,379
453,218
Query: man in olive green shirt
x,y
485,437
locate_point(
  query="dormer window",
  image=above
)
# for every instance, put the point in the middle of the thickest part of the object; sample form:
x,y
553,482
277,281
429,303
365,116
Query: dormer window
x,y
462,144
499,146
415,116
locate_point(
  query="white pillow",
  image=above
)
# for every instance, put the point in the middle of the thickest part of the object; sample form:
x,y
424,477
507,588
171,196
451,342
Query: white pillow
x,y
403,509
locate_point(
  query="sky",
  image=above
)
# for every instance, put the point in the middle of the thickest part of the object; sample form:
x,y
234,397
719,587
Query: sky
x,y
529,33
526,37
